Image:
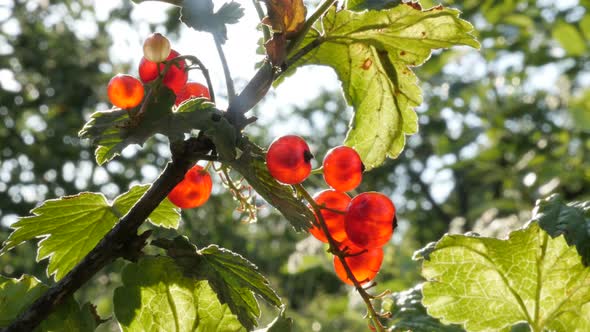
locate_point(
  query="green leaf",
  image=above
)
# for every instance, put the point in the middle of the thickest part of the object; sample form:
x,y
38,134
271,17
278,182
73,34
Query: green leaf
x,y
232,277
279,324
165,215
156,296
372,53
569,38
114,130
17,295
71,226
408,314
199,16
488,284
585,26
572,220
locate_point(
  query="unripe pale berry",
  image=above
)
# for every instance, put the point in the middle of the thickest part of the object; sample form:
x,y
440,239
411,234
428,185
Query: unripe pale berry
x,y
125,91
289,160
194,190
156,47
369,220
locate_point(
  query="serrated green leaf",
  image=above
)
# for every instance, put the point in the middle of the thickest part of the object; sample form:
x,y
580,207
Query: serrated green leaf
x,y
279,324
232,277
156,296
114,130
18,294
165,215
572,220
199,15
372,53
569,38
408,314
71,226
488,284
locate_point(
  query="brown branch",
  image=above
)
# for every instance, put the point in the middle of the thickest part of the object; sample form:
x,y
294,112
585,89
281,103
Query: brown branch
x,y
118,242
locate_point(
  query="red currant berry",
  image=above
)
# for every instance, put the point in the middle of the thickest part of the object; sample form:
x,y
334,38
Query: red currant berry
x,y
125,91
175,78
364,266
332,201
369,220
190,90
343,168
194,190
289,159
156,47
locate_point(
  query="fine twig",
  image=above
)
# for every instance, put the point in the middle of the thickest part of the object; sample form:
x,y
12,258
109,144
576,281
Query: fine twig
x,y
260,12
231,91
116,243
336,251
205,72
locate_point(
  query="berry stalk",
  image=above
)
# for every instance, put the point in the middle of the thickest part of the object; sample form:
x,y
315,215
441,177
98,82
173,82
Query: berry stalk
x,y
341,255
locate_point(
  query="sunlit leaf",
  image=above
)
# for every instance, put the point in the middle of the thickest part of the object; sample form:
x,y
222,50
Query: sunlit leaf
x,y
71,226
156,296
372,53
489,284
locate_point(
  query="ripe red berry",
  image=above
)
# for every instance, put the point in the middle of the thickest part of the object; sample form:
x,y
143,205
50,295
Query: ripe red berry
x,y
369,220
175,78
192,89
343,168
194,190
156,47
289,159
125,91
334,201
364,266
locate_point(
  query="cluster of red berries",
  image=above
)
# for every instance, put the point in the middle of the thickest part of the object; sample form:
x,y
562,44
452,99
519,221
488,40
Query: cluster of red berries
x,y
126,91
361,225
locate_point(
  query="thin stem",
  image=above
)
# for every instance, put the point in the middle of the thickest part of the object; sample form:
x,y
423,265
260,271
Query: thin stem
x,y
318,170
309,24
265,29
341,255
205,72
231,92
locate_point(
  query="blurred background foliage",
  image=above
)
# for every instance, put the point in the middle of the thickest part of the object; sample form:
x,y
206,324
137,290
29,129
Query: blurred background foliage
x,y
499,128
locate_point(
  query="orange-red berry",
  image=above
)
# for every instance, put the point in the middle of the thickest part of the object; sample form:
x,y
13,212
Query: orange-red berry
x,y
194,190
190,90
289,160
125,91
364,266
175,78
334,203
369,220
343,168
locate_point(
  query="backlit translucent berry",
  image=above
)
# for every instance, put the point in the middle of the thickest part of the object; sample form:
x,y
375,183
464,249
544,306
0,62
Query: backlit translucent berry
x,y
369,220
194,190
156,48
190,90
125,91
343,168
332,201
175,78
289,160
364,266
